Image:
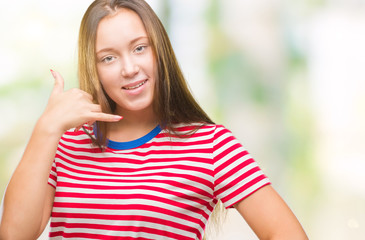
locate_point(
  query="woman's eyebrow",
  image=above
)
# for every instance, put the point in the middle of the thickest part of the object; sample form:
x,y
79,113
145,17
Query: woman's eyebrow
x,y
137,39
109,49
105,50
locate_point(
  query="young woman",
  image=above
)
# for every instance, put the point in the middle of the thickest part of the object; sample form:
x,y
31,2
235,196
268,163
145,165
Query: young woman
x,y
155,173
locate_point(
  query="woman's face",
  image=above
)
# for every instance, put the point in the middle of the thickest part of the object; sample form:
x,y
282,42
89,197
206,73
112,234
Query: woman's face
x,y
125,61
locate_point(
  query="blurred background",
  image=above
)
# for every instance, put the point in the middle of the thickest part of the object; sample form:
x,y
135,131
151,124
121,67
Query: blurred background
x,y
287,77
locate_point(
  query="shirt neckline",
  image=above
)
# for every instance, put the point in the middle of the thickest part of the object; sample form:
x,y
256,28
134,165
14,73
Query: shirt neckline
x,y
134,143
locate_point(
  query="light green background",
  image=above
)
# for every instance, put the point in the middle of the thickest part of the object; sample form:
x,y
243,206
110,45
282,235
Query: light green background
x,y
287,77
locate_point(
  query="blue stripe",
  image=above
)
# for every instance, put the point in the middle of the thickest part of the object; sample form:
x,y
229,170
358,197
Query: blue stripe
x,y
135,143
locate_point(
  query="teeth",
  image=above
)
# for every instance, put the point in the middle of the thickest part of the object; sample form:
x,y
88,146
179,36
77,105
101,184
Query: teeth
x,y
134,87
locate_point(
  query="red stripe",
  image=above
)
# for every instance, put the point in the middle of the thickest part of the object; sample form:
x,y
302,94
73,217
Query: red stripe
x,y
129,170
162,174
139,207
85,140
245,187
237,180
53,177
121,229
231,160
163,182
150,152
175,152
207,149
170,156
67,151
235,170
72,133
92,236
224,141
184,135
189,142
221,131
229,150
132,196
78,149
188,128
51,184
124,218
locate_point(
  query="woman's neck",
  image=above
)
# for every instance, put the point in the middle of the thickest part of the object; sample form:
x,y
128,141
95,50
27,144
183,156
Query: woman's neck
x,y
133,125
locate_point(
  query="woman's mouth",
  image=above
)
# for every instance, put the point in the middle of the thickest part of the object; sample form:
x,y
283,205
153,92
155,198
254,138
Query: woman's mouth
x,y
137,85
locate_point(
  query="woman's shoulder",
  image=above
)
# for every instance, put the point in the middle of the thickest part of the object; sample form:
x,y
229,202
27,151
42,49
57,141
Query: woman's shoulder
x,y
73,134
198,127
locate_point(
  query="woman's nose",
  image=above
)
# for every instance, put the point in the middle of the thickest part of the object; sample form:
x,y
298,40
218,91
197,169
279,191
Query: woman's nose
x,y
129,68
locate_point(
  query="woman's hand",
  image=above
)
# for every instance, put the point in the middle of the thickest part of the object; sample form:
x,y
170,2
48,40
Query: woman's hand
x,y
28,199
72,108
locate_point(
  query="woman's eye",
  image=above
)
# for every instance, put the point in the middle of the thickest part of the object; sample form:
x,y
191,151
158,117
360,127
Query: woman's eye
x,y
107,59
139,49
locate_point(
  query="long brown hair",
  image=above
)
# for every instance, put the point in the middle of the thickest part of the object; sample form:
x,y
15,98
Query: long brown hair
x,y
173,101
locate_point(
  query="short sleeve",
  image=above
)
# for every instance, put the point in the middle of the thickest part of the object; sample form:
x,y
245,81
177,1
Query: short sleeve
x,y
236,174
52,179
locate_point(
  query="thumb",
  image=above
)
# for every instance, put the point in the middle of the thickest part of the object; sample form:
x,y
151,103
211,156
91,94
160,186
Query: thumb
x,y
58,84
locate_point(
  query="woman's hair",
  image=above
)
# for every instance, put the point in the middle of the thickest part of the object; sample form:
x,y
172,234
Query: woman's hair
x,y
172,103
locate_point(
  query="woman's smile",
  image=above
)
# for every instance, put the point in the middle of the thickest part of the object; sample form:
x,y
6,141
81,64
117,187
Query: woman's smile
x,y
134,85
136,88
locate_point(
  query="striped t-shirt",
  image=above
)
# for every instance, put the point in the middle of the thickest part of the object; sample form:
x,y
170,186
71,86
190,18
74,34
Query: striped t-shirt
x,y
156,187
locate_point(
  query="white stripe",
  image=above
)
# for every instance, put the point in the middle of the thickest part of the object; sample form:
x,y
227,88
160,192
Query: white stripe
x,y
125,223
233,177
179,158
234,163
109,233
135,176
164,150
123,202
240,172
129,213
226,145
135,166
127,174
247,192
170,187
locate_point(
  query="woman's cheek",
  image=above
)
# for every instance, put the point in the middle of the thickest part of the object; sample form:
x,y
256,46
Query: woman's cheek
x,y
109,75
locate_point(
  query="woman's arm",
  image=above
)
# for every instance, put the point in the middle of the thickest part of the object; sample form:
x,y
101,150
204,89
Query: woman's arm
x,y
269,216
24,202
28,199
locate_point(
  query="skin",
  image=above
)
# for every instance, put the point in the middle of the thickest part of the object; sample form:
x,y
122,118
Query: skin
x,y
124,59
269,216
28,199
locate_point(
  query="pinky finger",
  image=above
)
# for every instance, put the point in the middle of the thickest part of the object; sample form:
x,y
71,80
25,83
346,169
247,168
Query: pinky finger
x,y
104,117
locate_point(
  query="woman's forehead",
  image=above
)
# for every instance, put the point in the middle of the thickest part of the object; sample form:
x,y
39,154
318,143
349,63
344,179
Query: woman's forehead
x,y
121,28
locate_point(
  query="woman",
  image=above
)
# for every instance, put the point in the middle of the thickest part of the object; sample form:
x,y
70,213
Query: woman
x,y
157,173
